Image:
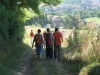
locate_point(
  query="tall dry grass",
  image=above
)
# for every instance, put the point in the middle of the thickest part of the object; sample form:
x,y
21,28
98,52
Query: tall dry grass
x,y
85,44
83,48
81,44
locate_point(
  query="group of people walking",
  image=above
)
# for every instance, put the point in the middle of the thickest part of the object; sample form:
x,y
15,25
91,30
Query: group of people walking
x,y
51,41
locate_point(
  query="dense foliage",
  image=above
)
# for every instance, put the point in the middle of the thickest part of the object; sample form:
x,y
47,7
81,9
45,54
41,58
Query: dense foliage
x,y
83,48
36,20
13,16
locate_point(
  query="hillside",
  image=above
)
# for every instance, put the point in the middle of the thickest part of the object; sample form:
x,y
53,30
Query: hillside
x,y
74,5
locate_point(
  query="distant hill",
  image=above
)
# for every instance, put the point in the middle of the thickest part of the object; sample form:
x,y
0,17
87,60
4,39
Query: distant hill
x,y
80,4
74,5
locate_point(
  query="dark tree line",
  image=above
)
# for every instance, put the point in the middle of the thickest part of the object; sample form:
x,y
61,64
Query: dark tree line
x,y
37,20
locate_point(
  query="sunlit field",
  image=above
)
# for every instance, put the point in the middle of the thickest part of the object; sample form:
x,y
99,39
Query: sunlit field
x,y
26,40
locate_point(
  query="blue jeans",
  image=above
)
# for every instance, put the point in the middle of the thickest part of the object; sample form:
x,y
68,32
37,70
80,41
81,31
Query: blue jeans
x,y
39,49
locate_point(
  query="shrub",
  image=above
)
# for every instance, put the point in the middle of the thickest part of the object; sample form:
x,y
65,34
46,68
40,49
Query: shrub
x,y
92,69
5,71
74,41
84,47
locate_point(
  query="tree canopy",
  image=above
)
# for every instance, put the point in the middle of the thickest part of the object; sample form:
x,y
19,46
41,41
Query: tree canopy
x,y
12,16
33,4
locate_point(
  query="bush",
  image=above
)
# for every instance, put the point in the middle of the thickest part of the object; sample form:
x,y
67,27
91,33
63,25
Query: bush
x,y
5,71
74,41
10,56
84,47
92,69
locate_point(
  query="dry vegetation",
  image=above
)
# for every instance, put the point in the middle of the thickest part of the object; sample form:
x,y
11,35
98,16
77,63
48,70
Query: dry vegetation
x,y
79,49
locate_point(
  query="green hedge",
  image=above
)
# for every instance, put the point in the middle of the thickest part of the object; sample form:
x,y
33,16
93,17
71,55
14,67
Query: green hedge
x,y
92,69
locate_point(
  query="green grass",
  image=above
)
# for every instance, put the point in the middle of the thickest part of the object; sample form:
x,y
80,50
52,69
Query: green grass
x,y
91,69
43,67
73,66
46,66
10,56
93,19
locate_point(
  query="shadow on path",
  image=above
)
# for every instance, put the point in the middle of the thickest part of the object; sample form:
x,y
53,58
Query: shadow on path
x,y
33,66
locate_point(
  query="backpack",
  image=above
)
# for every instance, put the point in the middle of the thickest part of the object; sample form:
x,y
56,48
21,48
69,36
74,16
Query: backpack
x,y
38,39
48,39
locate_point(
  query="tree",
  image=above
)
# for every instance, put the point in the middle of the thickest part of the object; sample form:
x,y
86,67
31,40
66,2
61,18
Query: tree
x,y
12,16
70,21
41,21
99,15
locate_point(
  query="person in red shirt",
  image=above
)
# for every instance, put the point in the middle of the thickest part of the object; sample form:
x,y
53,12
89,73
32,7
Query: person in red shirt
x,y
58,40
31,36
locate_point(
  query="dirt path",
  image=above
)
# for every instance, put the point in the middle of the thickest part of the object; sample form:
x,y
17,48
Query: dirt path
x,y
47,67
53,67
25,67
33,66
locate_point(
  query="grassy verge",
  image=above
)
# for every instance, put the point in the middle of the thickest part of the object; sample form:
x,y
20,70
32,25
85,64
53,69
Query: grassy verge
x,y
46,66
81,54
10,56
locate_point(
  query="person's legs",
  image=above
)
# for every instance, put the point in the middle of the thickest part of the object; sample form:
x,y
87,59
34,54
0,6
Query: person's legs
x,y
32,40
51,52
47,52
37,51
40,50
59,49
55,51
